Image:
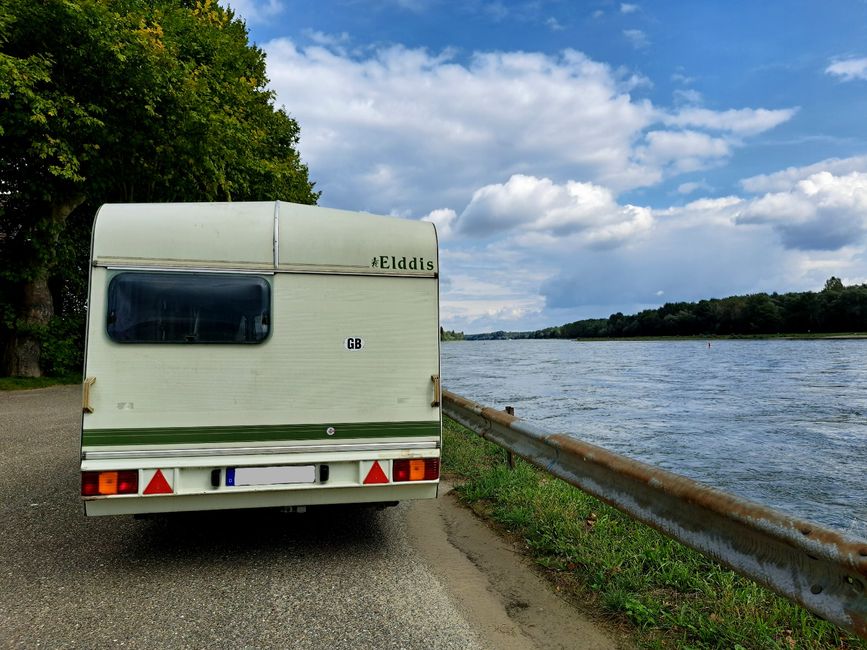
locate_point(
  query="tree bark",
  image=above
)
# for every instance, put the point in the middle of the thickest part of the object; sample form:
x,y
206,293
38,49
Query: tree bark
x,y
37,309
36,306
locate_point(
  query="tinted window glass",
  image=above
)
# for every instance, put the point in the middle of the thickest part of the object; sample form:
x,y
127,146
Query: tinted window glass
x,y
188,308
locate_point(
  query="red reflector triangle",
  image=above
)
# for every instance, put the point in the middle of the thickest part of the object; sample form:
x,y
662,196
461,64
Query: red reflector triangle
x,y
375,475
158,484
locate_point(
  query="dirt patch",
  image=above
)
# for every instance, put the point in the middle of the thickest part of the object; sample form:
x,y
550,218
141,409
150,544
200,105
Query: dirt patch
x,y
502,596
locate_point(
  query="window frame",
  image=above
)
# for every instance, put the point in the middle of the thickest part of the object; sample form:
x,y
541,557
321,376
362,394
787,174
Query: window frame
x,y
262,280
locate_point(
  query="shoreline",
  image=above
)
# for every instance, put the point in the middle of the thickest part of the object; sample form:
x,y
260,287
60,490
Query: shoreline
x,y
805,336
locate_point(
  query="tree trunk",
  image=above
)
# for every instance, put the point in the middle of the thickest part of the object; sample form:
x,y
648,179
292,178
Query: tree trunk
x,y
36,306
37,310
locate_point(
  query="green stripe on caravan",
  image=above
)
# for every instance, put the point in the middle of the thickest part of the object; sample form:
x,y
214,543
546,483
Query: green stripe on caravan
x,y
165,436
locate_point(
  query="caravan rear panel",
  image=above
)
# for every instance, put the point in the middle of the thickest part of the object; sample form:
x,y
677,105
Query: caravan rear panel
x,y
259,354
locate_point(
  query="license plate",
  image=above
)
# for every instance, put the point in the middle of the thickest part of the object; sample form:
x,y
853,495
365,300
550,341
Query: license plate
x,y
280,475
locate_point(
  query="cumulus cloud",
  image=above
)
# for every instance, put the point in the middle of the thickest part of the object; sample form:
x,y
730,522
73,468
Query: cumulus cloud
x,y
849,69
407,130
627,8
821,212
697,251
538,205
444,220
450,127
788,178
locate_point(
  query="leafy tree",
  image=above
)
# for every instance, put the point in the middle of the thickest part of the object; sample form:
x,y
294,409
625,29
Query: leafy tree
x,y
118,101
833,284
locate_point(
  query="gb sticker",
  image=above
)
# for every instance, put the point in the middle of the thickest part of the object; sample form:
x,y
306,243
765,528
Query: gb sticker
x,y
354,343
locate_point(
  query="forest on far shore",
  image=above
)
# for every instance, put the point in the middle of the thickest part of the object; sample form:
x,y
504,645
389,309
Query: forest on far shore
x,y
836,308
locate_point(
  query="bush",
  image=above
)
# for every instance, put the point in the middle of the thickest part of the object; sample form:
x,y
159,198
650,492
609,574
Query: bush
x,y
62,346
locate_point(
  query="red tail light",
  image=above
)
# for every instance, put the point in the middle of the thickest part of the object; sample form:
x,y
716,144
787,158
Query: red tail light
x,y
416,469
95,484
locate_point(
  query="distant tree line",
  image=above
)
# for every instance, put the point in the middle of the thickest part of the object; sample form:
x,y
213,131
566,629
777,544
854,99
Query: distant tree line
x,y
836,308
449,335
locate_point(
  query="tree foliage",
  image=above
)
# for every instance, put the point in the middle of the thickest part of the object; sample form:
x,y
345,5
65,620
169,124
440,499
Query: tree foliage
x,y
119,101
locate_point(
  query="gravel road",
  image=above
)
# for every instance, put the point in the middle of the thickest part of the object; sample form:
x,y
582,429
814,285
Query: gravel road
x,y
340,577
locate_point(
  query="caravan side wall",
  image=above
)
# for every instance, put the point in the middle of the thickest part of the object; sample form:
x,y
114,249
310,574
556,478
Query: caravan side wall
x,y
342,381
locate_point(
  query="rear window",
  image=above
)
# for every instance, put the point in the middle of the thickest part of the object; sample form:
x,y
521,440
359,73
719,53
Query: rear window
x,y
188,308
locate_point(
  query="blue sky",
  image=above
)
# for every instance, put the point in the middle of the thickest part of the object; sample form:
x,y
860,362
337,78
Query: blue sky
x,y
584,158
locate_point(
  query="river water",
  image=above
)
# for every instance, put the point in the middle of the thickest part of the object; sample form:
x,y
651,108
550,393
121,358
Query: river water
x,y
780,422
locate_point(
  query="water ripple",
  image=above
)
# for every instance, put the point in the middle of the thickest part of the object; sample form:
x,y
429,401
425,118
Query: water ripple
x,y
778,422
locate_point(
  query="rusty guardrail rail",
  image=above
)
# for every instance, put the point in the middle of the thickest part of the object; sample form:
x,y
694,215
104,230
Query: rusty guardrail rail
x,y
822,570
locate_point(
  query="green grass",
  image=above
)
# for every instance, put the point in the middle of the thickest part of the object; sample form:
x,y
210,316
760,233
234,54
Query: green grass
x,y
669,595
26,383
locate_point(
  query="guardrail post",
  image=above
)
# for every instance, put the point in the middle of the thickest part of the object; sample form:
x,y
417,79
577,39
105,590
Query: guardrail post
x,y
510,457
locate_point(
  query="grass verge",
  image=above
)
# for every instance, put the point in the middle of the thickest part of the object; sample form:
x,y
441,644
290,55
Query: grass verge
x,y
668,594
26,383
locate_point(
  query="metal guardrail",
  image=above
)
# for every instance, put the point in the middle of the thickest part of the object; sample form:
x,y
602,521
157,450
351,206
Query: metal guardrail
x,y
822,570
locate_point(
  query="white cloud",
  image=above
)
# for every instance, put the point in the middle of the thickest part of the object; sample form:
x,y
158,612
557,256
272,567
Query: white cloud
x,y
821,212
626,8
683,151
849,69
409,131
745,121
637,38
255,11
537,205
787,179
444,220
449,127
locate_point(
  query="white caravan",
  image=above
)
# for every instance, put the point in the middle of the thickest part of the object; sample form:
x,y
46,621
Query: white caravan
x,y
245,355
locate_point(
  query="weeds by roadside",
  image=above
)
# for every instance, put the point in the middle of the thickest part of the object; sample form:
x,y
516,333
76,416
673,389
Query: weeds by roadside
x,y
672,596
